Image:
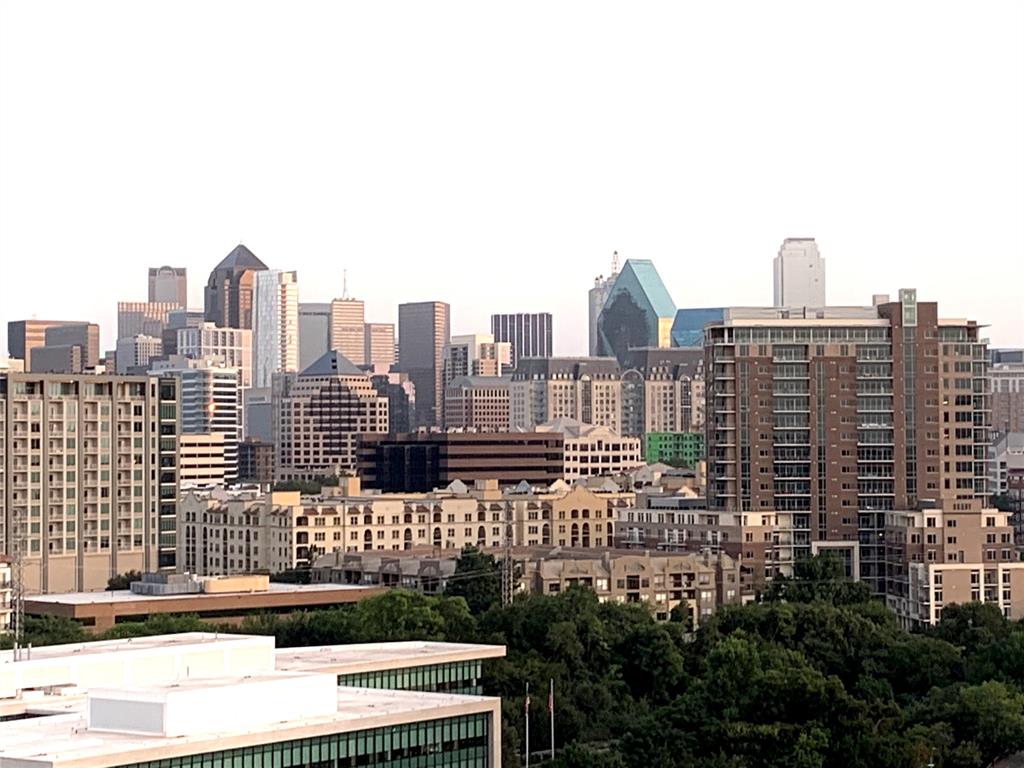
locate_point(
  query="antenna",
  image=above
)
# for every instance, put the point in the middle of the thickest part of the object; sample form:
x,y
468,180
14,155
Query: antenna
x,y
344,283
615,262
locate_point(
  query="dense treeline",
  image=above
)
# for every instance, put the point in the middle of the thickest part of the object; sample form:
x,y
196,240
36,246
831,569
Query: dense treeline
x,y
817,674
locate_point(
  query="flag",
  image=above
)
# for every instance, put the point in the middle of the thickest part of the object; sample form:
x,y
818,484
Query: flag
x,y
551,699
526,707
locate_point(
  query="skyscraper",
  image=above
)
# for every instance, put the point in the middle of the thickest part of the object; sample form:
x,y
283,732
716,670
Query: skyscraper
x,y
314,332
168,285
143,318
275,325
799,274
230,288
638,312
596,299
348,336
379,341
423,330
529,334
231,346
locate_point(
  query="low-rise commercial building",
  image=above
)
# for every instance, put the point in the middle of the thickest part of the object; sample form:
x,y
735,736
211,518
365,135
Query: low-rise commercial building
x,y
686,448
420,462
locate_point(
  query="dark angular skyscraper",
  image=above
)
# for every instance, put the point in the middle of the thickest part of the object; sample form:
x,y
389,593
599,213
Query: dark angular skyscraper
x,y
637,313
230,287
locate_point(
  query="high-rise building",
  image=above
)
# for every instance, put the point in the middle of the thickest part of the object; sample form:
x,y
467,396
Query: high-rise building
x,y
275,327
474,354
25,335
168,284
688,327
587,389
314,332
379,344
596,298
799,274
637,313
211,403
90,483
318,416
1007,386
230,346
135,352
229,291
348,335
58,358
423,330
477,402
143,318
528,334
401,395
828,420
178,319
84,336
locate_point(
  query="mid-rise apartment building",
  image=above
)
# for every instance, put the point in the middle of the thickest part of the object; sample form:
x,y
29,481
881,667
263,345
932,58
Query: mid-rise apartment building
x,y
88,476
593,451
319,415
832,418
662,391
587,389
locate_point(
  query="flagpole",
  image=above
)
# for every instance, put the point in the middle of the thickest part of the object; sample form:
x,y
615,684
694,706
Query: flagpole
x,y
527,725
551,712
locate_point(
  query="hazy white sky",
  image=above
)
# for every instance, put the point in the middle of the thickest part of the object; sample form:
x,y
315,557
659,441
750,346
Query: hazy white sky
x,y
494,155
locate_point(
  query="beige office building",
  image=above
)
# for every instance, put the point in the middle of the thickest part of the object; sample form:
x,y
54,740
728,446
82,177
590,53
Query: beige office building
x,y
379,344
88,476
318,415
230,346
143,318
592,451
585,389
202,460
348,333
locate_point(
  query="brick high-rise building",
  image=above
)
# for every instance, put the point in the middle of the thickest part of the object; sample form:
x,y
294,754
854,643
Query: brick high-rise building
x,y
423,330
528,334
90,481
830,419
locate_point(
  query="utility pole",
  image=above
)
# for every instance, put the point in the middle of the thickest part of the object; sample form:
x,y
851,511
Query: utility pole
x,y
18,587
507,571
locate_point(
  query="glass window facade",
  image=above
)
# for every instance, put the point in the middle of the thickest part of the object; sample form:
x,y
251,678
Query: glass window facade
x,y
454,742
461,677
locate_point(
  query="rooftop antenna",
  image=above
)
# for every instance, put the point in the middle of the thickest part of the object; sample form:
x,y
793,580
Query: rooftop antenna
x,y
344,283
615,262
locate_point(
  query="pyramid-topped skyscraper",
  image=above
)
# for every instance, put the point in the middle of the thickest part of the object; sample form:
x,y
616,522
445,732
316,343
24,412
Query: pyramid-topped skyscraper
x,y
228,297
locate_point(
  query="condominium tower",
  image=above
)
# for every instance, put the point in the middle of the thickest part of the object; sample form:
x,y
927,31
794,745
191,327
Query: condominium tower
x,y
88,476
830,420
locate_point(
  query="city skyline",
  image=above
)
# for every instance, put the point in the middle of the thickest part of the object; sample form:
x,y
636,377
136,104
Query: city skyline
x,y
651,141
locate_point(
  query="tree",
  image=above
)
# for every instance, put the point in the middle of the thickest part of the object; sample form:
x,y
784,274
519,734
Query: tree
x,y
123,580
821,577
477,579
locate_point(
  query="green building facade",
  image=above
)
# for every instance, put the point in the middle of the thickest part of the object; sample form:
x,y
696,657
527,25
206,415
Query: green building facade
x,y
674,448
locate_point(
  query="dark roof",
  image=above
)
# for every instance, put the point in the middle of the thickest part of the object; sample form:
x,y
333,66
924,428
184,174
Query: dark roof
x,y
241,258
333,363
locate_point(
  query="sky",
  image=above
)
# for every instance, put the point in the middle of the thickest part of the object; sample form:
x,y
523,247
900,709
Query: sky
x,y
495,155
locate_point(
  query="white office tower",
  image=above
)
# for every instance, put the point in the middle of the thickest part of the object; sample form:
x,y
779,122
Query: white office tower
x,y
799,274
275,334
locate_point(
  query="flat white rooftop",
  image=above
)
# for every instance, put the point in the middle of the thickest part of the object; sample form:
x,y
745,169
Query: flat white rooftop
x,y
150,642
67,741
127,596
366,657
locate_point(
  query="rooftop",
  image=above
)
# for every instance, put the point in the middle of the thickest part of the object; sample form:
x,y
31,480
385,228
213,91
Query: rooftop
x,y
127,596
67,741
241,258
346,659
